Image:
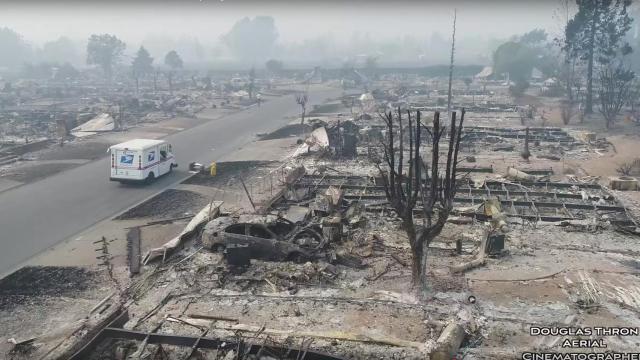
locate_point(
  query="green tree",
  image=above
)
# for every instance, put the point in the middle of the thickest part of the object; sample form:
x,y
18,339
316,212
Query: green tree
x,y
515,58
274,66
252,39
596,34
142,64
41,70
15,51
174,62
519,56
60,51
534,37
105,51
66,71
545,54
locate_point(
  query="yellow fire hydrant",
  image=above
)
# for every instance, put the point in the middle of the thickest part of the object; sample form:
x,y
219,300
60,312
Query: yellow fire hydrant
x,y
213,169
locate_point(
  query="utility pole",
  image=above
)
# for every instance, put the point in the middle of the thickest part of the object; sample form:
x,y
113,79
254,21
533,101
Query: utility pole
x,y
453,45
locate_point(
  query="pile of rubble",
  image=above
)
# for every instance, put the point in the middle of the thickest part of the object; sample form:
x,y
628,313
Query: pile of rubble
x,y
320,265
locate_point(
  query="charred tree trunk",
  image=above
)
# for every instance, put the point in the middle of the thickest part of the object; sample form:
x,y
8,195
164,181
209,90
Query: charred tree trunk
x,y
416,261
423,283
404,185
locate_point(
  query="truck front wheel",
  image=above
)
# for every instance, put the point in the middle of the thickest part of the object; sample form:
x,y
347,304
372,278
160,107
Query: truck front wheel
x,y
150,177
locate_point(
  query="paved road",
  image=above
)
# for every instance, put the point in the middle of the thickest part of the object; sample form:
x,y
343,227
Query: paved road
x,y
39,215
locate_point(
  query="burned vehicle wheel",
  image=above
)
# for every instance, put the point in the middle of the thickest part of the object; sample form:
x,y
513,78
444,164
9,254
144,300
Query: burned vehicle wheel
x,y
310,239
212,233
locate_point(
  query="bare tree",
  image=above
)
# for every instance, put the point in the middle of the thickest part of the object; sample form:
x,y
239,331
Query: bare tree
x,y
301,99
174,61
629,168
566,111
141,66
407,188
633,100
615,84
562,15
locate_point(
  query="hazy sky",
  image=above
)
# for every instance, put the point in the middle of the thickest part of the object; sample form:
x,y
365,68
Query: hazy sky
x,y
39,21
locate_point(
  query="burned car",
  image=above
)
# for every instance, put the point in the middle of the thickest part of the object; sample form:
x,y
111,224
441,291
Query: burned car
x,y
265,238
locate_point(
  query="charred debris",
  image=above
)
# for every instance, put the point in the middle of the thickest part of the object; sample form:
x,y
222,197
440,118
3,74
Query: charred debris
x,y
39,113
322,266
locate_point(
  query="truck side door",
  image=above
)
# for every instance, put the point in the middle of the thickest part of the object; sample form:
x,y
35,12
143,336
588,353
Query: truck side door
x,y
165,159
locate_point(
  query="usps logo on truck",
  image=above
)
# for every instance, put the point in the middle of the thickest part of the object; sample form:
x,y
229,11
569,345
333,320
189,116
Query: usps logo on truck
x,y
151,156
126,159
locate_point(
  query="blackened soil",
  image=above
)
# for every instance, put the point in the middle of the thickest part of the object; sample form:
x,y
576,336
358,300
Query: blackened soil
x,y
288,131
168,204
32,284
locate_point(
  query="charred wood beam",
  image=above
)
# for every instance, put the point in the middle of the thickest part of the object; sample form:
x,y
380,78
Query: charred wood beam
x,y
542,184
521,203
547,138
549,184
335,177
115,331
533,130
542,134
483,217
210,343
372,190
546,184
375,192
343,186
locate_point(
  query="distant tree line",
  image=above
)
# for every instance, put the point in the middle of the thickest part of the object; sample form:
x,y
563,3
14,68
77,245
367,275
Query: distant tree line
x,y
519,56
595,36
593,58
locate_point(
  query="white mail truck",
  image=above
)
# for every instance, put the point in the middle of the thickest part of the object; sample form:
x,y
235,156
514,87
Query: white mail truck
x,y
141,160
